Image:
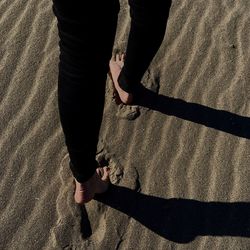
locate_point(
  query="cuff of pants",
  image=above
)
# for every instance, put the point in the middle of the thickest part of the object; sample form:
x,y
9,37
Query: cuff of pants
x,y
126,83
82,171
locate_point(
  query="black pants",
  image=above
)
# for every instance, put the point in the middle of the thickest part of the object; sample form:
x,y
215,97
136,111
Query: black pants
x,y
87,30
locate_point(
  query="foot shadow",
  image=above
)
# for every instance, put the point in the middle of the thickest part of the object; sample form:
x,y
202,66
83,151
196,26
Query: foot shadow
x,y
85,227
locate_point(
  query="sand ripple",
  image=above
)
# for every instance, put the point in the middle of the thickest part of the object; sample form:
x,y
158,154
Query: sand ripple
x,y
156,153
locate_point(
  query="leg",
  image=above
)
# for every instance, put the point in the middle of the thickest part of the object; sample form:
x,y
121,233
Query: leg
x,y
148,25
86,41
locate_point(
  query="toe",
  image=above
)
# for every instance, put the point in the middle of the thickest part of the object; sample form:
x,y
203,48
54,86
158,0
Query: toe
x,y
99,171
105,176
117,57
103,172
122,57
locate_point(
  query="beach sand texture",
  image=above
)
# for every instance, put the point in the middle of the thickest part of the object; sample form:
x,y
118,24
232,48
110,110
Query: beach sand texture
x,y
179,161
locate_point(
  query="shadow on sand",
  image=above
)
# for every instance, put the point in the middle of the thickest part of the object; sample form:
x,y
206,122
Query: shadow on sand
x,y
181,220
218,119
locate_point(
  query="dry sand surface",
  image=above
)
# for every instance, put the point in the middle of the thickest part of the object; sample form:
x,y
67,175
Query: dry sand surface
x,y
180,169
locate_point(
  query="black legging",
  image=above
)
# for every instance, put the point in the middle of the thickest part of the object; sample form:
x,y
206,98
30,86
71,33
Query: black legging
x,y
87,31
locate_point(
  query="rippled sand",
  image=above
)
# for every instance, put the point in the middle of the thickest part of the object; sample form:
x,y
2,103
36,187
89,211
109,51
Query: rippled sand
x,y
179,160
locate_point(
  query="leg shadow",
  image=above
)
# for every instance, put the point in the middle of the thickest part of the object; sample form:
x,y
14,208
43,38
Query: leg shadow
x,y
180,220
218,119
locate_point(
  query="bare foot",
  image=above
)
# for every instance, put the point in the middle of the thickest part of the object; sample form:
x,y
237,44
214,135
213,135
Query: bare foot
x,y
98,183
115,65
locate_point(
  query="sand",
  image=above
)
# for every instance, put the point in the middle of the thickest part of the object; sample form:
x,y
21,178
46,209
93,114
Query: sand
x,y
179,163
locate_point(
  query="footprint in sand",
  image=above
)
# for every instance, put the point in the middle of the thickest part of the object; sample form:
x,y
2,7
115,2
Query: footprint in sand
x,y
128,112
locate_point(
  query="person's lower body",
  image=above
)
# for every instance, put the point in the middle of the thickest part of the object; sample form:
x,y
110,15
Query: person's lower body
x,y
86,40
